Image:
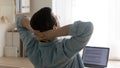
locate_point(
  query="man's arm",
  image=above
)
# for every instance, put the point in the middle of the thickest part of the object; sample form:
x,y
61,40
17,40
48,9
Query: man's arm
x,y
80,32
63,31
29,40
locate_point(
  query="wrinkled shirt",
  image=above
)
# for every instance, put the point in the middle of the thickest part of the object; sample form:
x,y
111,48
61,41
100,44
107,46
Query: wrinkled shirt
x,y
60,53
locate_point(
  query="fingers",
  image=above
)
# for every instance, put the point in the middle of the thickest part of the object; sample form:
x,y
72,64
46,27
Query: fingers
x,y
40,35
44,36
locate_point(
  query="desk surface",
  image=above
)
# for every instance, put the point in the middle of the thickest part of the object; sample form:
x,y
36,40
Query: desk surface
x,y
112,64
25,63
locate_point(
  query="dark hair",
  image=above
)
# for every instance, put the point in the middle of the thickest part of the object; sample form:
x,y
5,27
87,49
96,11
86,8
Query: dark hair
x,y
43,20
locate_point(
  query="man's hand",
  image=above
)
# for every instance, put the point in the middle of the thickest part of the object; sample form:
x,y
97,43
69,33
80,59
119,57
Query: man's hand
x,y
39,35
47,35
52,34
26,23
44,36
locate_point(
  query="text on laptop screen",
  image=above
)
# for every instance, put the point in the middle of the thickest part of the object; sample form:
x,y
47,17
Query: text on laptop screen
x,y
95,55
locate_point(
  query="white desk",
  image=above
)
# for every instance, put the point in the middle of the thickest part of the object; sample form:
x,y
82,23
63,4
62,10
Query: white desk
x,y
112,64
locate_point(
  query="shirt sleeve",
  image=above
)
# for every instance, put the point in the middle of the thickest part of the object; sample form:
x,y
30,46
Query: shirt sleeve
x,y
29,41
81,33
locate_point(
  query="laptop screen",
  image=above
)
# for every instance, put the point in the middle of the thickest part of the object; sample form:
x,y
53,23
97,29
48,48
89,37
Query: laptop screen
x,y
95,56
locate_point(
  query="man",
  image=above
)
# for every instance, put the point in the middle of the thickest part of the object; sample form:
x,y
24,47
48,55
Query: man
x,y
43,48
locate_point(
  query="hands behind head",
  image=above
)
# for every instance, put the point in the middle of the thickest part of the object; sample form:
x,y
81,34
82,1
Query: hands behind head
x,y
26,23
39,35
44,36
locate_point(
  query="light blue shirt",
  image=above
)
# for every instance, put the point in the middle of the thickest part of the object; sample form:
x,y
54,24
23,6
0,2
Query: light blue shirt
x,y
60,53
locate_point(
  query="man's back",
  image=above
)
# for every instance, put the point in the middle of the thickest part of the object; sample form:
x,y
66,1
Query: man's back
x,y
52,55
58,53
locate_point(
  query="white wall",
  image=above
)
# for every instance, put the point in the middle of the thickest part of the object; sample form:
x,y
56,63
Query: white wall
x,y
114,28
63,9
37,4
7,8
105,16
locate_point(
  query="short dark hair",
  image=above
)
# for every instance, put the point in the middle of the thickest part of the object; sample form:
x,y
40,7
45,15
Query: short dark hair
x,y
43,20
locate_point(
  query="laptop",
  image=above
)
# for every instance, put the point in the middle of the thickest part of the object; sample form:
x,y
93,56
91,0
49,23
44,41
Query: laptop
x,y
95,57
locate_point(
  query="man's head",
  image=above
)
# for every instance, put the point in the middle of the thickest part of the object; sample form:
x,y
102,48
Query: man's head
x,y
43,20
